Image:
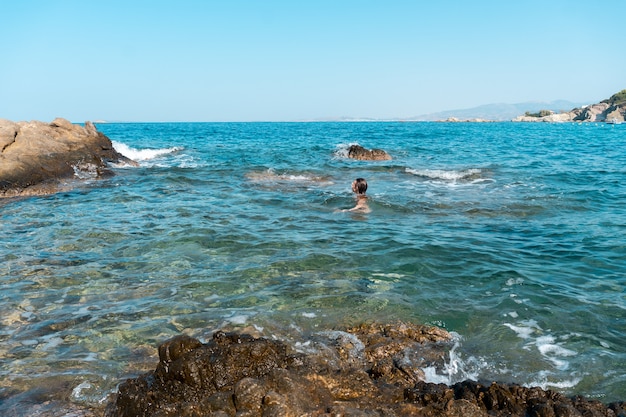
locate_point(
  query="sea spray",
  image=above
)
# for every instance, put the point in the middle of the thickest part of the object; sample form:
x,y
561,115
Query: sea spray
x,y
141,155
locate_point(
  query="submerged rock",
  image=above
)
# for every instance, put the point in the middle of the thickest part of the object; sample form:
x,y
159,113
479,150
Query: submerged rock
x,y
362,154
35,156
367,370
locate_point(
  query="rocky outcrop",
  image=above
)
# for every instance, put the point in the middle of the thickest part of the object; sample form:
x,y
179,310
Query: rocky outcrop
x,y
369,370
473,399
551,118
615,115
363,154
35,157
612,110
593,113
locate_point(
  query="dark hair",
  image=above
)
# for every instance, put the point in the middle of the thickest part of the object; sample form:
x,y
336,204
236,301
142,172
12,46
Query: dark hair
x,y
360,185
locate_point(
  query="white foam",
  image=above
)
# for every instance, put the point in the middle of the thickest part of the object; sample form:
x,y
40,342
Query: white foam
x,y
77,391
270,176
553,351
525,329
455,369
142,154
446,175
546,344
514,281
545,383
389,275
341,151
431,376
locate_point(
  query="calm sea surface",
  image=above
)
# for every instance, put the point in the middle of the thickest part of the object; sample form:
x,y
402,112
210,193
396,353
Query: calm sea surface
x,y
512,236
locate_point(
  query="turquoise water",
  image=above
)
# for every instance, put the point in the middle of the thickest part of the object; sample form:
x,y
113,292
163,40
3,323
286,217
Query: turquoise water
x,y
512,236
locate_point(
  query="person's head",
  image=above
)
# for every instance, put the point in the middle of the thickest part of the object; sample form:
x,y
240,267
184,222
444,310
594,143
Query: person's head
x,y
359,186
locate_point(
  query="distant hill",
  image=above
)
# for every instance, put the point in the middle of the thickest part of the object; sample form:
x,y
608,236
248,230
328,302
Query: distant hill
x,y
499,111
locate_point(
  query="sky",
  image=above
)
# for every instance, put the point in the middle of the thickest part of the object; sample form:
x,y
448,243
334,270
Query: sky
x,y
274,60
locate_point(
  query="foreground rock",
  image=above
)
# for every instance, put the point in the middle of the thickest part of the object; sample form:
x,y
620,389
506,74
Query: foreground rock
x,y
35,157
362,154
371,370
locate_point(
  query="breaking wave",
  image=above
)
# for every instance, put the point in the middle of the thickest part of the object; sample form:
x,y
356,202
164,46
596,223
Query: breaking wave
x,y
470,174
143,154
341,150
271,176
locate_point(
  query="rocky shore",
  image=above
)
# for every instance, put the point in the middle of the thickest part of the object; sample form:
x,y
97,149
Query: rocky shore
x,y
38,158
369,370
611,110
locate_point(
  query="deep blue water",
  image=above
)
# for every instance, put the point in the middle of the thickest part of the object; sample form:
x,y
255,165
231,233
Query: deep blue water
x,y
512,236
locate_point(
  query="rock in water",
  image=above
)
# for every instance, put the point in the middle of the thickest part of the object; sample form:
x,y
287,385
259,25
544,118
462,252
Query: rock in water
x,y
369,370
362,154
36,156
239,374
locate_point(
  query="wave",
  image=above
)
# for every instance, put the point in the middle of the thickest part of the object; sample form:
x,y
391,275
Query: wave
x,y
139,155
470,174
270,176
550,348
341,150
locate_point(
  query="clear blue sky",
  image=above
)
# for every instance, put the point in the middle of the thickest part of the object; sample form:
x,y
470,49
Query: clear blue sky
x,y
236,60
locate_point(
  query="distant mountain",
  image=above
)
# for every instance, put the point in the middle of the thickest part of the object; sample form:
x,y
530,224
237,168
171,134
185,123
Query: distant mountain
x,y
498,111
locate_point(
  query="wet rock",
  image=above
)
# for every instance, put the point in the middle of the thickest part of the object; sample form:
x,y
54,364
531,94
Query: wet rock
x,y
35,156
362,154
470,398
368,370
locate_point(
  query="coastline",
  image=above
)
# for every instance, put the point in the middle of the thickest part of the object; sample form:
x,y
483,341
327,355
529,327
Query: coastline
x,y
208,268
373,368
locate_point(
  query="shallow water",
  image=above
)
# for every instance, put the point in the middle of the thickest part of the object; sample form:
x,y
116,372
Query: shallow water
x,y
510,235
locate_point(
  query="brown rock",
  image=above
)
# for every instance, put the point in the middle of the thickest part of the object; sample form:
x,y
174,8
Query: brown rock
x,y
35,156
263,377
239,375
362,154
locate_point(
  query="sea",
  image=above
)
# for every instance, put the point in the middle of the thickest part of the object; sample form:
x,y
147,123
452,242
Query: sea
x,y
511,236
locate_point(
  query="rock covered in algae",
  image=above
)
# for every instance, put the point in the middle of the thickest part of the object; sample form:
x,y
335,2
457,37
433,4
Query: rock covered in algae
x,y
363,154
369,370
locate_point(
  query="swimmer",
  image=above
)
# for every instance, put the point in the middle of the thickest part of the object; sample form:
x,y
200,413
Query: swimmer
x,y
359,186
